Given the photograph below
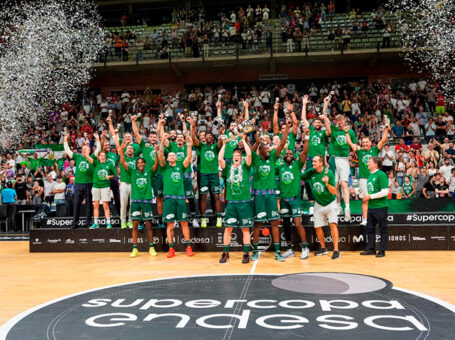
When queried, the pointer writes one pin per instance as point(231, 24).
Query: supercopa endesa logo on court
point(307, 305)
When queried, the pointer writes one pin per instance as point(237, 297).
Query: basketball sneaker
point(335, 255)
point(224, 257)
point(108, 226)
point(171, 253)
point(189, 251)
point(124, 226)
point(289, 253)
point(246, 258)
point(305, 253)
point(219, 222)
point(279, 257)
point(254, 255)
point(203, 222)
point(152, 251)
point(94, 226)
point(195, 223)
point(363, 223)
point(141, 226)
point(322, 251)
point(134, 253)
point(130, 224)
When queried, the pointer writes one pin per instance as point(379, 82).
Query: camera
point(218, 122)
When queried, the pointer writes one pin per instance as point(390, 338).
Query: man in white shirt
point(49, 189)
point(59, 192)
point(446, 170)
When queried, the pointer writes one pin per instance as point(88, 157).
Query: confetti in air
point(427, 29)
point(47, 48)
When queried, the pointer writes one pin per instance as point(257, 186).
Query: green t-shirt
point(264, 171)
point(34, 163)
point(209, 158)
point(141, 184)
point(319, 189)
point(290, 179)
point(173, 180)
point(84, 170)
point(136, 147)
point(318, 141)
point(112, 158)
point(407, 188)
point(364, 156)
point(180, 153)
point(124, 175)
point(290, 142)
point(375, 183)
point(338, 143)
point(237, 182)
point(230, 146)
point(148, 153)
point(100, 172)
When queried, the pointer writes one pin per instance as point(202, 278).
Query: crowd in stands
point(251, 29)
point(419, 157)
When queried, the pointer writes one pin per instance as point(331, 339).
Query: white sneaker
point(311, 211)
point(195, 223)
point(289, 253)
point(347, 215)
point(363, 223)
point(305, 253)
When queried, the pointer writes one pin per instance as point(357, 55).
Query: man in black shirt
point(21, 190)
point(441, 128)
point(429, 187)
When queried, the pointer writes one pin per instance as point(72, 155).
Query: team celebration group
point(262, 175)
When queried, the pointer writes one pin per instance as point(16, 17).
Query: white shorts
point(342, 169)
point(101, 194)
point(363, 187)
point(325, 215)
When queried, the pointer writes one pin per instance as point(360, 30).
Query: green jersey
point(112, 158)
point(173, 180)
point(136, 147)
point(338, 143)
point(209, 158)
point(290, 141)
point(318, 141)
point(34, 163)
point(101, 171)
point(290, 179)
point(407, 188)
point(319, 189)
point(148, 153)
point(237, 182)
point(375, 183)
point(84, 170)
point(264, 171)
point(180, 153)
point(364, 156)
point(124, 175)
point(141, 184)
point(230, 146)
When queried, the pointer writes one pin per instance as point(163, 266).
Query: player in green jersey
point(112, 157)
point(264, 188)
point(291, 204)
point(339, 162)
point(239, 212)
point(83, 180)
point(364, 154)
point(209, 180)
point(322, 183)
point(378, 190)
point(174, 207)
point(148, 152)
point(141, 196)
point(408, 187)
point(101, 192)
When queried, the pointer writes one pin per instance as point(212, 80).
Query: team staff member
point(378, 190)
point(9, 197)
point(141, 197)
point(239, 212)
point(174, 207)
point(290, 191)
point(322, 183)
point(364, 154)
point(339, 150)
point(103, 172)
point(264, 188)
point(84, 179)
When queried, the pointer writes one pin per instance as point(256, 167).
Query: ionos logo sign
point(308, 305)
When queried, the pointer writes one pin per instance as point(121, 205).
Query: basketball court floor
point(406, 295)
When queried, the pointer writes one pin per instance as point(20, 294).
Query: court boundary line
point(8, 325)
